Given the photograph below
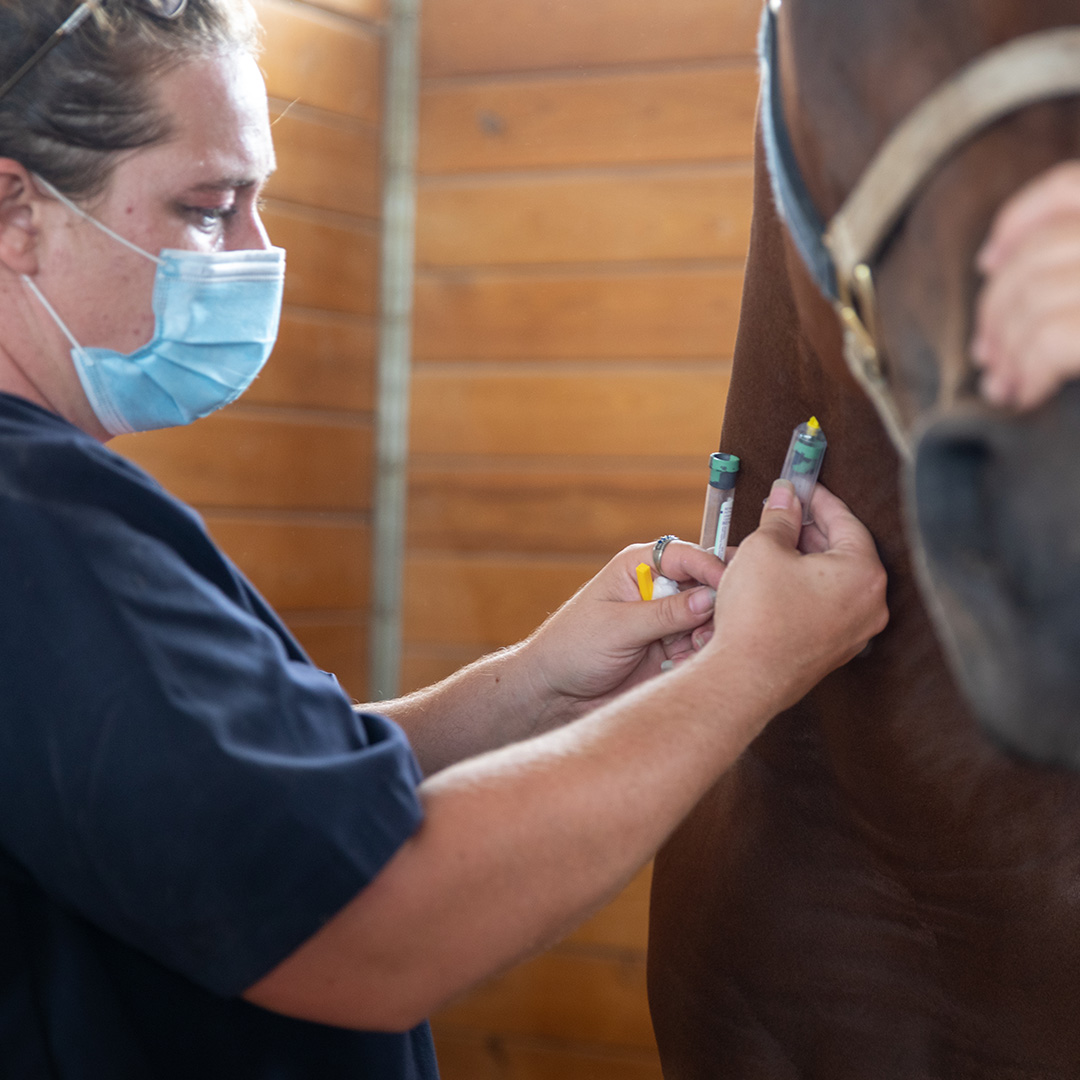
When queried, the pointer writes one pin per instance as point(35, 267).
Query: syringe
point(719, 501)
point(803, 462)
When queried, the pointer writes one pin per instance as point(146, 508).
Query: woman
point(210, 863)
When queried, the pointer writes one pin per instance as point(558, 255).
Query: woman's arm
point(601, 642)
point(521, 844)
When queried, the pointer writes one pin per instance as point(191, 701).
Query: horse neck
point(788, 366)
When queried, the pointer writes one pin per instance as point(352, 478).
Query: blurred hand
point(1027, 334)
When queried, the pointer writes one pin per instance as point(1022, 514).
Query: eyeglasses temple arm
point(68, 26)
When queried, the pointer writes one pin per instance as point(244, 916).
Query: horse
point(887, 883)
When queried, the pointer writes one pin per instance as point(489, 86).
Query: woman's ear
point(18, 231)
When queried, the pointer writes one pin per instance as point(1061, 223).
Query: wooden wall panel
point(333, 265)
point(607, 315)
point(565, 994)
point(479, 36)
point(456, 599)
point(425, 664)
point(519, 1027)
point(284, 477)
point(700, 212)
point(480, 1056)
point(348, 179)
point(249, 459)
point(276, 553)
point(323, 360)
point(584, 202)
point(336, 645)
point(564, 507)
point(614, 413)
point(623, 923)
point(702, 115)
point(321, 60)
point(372, 10)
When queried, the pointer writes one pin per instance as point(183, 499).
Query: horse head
point(874, 889)
point(906, 153)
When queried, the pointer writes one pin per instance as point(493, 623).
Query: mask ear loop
point(32, 286)
point(76, 209)
point(113, 422)
point(117, 425)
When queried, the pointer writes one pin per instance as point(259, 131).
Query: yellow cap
point(644, 581)
point(813, 424)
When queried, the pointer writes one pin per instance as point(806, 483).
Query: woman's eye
point(209, 217)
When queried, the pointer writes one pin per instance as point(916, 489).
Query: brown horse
point(878, 889)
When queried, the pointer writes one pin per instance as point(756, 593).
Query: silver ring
point(658, 550)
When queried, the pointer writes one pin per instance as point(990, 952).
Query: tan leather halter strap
point(1033, 68)
point(1026, 70)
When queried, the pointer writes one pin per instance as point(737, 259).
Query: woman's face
point(197, 191)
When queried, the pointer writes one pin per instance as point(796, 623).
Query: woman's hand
point(1027, 336)
point(797, 601)
point(606, 639)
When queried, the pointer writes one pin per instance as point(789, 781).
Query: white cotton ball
point(663, 586)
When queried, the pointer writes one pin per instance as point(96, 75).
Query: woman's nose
point(250, 233)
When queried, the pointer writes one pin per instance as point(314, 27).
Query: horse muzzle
point(994, 508)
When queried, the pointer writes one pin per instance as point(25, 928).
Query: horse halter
point(839, 256)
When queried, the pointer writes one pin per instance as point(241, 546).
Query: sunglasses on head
point(163, 9)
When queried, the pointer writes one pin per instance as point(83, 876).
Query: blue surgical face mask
point(216, 319)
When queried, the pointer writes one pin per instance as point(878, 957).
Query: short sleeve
point(170, 767)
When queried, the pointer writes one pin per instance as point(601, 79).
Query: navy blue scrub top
point(184, 797)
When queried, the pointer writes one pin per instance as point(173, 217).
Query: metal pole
point(395, 342)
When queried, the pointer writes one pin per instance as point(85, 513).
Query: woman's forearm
point(517, 847)
point(491, 703)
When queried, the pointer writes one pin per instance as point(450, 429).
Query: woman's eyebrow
point(230, 183)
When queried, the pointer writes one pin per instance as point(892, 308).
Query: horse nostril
point(954, 494)
point(997, 545)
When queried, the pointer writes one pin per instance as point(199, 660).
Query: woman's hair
point(91, 97)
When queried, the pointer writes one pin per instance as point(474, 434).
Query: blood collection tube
point(803, 462)
point(719, 501)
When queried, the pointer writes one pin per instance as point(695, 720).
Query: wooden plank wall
point(583, 217)
point(284, 476)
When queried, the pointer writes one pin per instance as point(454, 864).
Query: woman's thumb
point(781, 517)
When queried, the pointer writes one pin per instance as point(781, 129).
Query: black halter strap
point(789, 189)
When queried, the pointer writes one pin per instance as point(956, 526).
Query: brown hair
point(90, 98)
